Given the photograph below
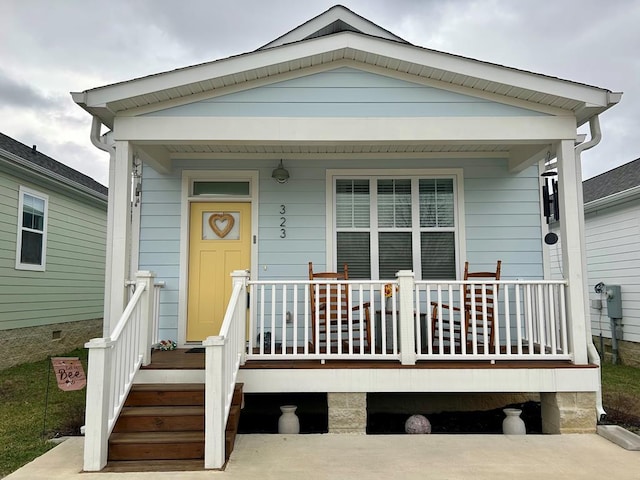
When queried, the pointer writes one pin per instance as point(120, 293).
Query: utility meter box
point(614, 301)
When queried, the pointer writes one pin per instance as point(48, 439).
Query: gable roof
point(29, 157)
point(614, 181)
point(335, 20)
point(339, 35)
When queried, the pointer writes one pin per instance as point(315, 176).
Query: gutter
point(592, 352)
point(613, 199)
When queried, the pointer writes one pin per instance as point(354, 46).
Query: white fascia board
point(338, 44)
point(612, 200)
point(328, 130)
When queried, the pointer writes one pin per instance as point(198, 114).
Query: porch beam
point(573, 248)
point(377, 130)
point(120, 231)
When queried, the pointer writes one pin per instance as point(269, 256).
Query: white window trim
point(456, 173)
point(29, 266)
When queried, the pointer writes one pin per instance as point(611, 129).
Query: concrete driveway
point(310, 457)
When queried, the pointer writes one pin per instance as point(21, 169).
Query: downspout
point(105, 146)
point(592, 352)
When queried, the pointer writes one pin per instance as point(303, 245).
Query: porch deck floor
point(180, 359)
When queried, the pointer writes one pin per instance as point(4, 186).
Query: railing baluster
point(507, 321)
point(518, 318)
point(283, 320)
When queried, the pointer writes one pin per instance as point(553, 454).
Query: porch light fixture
point(280, 174)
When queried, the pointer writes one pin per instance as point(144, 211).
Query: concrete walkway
point(310, 457)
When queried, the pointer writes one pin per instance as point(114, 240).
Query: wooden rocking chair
point(475, 306)
point(332, 322)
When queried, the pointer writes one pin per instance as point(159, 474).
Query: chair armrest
point(444, 305)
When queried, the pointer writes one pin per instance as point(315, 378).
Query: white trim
point(327, 67)
point(456, 173)
point(376, 130)
point(344, 45)
point(611, 200)
point(252, 176)
point(45, 198)
point(426, 380)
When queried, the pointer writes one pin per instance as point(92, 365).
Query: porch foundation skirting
point(347, 412)
point(568, 412)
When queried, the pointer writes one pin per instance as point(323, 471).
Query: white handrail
point(224, 354)
point(112, 365)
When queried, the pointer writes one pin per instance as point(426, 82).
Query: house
point(340, 143)
point(52, 251)
point(612, 204)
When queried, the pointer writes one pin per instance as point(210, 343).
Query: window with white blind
point(385, 224)
point(32, 230)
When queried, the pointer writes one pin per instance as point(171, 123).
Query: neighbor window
point(32, 230)
point(384, 224)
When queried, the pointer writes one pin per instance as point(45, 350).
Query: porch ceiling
point(331, 149)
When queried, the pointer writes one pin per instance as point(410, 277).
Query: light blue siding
point(502, 219)
point(345, 92)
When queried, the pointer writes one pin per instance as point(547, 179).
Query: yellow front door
point(219, 243)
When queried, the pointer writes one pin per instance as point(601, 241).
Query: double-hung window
point(32, 230)
point(384, 224)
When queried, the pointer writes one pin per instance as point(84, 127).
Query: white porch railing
point(530, 321)
point(223, 356)
point(112, 364)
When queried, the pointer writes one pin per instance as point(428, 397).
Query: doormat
point(195, 350)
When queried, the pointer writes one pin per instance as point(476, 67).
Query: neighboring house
point(52, 255)
point(612, 233)
point(340, 142)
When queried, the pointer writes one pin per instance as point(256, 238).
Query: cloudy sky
point(49, 48)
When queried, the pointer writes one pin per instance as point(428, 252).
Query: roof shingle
point(617, 180)
point(27, 153)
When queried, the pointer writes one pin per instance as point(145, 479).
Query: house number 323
point(283, 221)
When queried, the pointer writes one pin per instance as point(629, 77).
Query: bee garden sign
point(69, 373)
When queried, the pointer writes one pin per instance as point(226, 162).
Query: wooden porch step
point(156, 446)
point(166, 394)
point(161, 418)
point(165, 423)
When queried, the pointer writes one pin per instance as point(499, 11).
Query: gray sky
point(52, 47)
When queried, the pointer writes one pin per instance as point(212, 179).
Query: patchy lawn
point(24, 433)
point(621, 396)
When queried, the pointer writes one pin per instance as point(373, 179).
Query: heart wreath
point(221, 223)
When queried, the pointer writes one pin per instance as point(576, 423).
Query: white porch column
point(573, 251)
point(120, 231)
point(407, 318)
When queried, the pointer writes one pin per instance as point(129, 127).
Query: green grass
point(621, 395)
point(23, 393)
